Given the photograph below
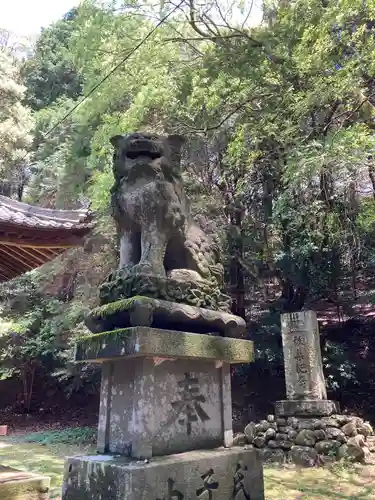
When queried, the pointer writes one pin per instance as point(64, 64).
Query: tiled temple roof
point(31, 236)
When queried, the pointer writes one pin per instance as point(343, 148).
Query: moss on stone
point(99, 336)
point(116, 307)
point(143, 341)
point(90, 345)
point(122, 285)
point(146, 311)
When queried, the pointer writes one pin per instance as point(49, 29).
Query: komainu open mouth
point(142, 147)
point(149, 154)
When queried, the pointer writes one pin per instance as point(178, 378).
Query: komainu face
point(146, 155)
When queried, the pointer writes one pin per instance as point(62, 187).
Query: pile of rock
point(309, 441)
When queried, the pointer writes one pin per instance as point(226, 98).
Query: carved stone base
point(145, 311)
point(306, 408)
point(123, 284)
point(163, 392)
point(221, 474)
point(150, 409)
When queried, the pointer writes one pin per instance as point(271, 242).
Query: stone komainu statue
point(158, 237)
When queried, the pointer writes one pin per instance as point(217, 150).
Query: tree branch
point(216, 38)
point(351, 112)
point(193, 22)
point(229, 115)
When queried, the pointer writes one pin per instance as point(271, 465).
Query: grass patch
point(47, 460)
point(75, 436)
point(339, 481)
point(45, 452)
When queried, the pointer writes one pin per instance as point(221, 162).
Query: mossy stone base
point(123, 284)
point(218, 474)
point(146, 311)
point(154, 342)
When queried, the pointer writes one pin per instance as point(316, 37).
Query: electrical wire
point(113, 70)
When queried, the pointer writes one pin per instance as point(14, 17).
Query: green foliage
point(51, 72)
point(78, 436)
point(366, 215)
point(61, 166)
point(33, 335)
point(282, 117)
point(15, 122)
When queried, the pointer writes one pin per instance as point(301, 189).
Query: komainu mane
point(158, 237)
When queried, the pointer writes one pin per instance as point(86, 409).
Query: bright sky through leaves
point(25, 17)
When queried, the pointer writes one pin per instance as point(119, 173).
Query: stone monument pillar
point(162, 336)
point(305, 385)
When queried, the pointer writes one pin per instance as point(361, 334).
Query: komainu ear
point(176, 141)
point(115, 140)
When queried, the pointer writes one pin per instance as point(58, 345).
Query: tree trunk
point(371, 173)
point(236, 270)
point(28, 377)
point(31, 388)
point(24, 386)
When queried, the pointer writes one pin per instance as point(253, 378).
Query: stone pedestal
point(163, 391)
point(307, 428)
point(304, 378)
point(216, 474)
point(306, 408)
point(165, 398)
point(149, 409)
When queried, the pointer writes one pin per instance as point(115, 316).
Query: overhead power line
point(114, 69)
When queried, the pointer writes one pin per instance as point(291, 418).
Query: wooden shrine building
point(31, 236)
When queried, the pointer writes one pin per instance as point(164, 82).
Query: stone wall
point(309, 441)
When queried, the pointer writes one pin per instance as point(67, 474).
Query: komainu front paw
point(148, 268)
point(125, 270)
